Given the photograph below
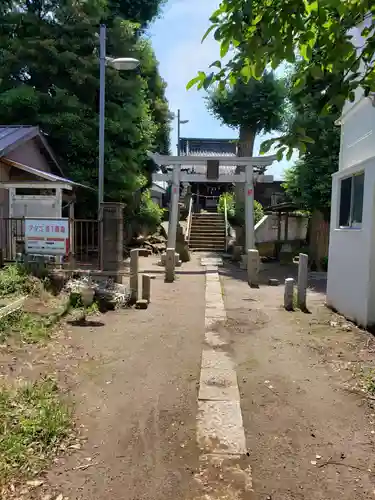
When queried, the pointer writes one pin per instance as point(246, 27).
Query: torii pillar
point(177, 177)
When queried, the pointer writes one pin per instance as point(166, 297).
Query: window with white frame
point(351, 200)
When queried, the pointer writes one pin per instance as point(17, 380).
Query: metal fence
point(84, 240)
point(12, 237)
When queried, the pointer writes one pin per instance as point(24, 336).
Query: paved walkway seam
point(220, 432)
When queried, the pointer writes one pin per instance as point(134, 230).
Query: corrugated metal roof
point(44, 175)
point(10, 135)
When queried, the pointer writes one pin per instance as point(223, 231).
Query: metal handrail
point(226, 223)
point(189, 220)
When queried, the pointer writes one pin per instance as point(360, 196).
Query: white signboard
point(47, 236)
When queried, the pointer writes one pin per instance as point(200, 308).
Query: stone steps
point(207, 232)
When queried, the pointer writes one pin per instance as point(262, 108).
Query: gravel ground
point(136, 397)
point(297, 412)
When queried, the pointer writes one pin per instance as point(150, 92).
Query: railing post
point(226, 222)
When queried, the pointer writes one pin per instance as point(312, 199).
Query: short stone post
point(170, 265)
point(302, 280)
point(253, 268)
point(134, 256)
point(146, 287)
point(289, 294)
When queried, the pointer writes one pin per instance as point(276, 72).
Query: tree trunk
point(245, 148)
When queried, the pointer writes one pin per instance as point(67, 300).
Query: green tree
point(138, 11)
point(259, 34)
point(49, 76)
point(253, 106)
point(308, 182)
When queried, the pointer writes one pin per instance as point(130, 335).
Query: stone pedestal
point(163, 259)
point(170, 265)
point(111, 239)
point(237, 253)
point(134, 282)
point(289, 294)
point(253, 267)
point(182, 248)
point(286, 254)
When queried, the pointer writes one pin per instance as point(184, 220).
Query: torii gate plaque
point(177, 177)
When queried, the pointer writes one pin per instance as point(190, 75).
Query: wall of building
point(358, 118)
point(358, 134)
point(267, 228)
point(30, 154)
point(266, 192)
point(351, 279)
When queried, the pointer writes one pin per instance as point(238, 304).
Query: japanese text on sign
point(47, 236)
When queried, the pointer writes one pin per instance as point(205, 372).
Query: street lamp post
point(179, 123)
point(175, 192)
point(121, 64)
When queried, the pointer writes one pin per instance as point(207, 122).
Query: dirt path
point(136, 398)
point(297, 415)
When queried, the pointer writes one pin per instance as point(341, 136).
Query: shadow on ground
point(275, 270)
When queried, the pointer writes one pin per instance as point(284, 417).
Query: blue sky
point(176, 39)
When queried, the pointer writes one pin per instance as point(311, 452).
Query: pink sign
point(47, 236)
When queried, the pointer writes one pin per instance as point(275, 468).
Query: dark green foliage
point(139, 11)
point(256, 104)
point(308, 182)
point(49, 76)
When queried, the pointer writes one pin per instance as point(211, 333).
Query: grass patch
point(15, 279)
point(369, 382)
point(28, 327)
point(33, 424)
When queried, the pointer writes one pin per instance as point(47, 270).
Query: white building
point(351, 268)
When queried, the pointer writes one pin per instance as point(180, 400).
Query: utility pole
point(179, 123)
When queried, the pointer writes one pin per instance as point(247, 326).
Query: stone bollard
point(134, 258)
point(289, 294)
point(253, 268)
point(303, 269)
point(237, 252)
point(146, 287)
point(170, 262)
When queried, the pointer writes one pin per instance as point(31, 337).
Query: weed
point(15, 279)
point(28, 327)
point(369, 382)
point(33, 423)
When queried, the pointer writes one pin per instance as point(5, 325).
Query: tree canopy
point(254, 106)
point(49, 76)
point(308, 182)
point(138, 11)
point(258, 34)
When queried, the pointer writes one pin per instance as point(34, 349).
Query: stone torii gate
point(212, 175)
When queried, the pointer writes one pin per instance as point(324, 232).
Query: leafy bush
point(14, 279)
point(236, 210)
point(150, 215)
point(231, 205)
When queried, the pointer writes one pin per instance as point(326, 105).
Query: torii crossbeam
point(247, 177)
